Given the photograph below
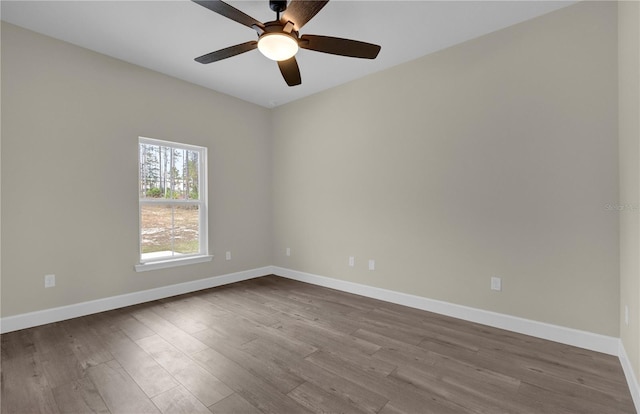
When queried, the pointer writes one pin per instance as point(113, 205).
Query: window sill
point(164, 264)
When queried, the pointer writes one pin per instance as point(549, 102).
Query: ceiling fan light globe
point(278, 46)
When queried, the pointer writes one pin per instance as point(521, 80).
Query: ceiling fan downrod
point(278, 6)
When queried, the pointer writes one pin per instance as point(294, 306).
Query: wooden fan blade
point(290, 71)
point(229, 12)
point(339, 46)
point(227, 52)
point(299, 12)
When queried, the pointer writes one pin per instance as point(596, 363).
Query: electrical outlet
point(496, 284)
point(352, 261)
point(228, 256)
point(288, 251)
point(49, 281)
point(372, 264)
point(626, 315)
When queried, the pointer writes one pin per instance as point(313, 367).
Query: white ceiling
point(166, 36)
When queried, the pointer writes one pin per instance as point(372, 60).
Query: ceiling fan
point(279, 40)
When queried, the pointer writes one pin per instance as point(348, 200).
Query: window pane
point(167, 172)
point(186, 225)
point(156, 231)
point(169, 231)
point(150, 172)
point(153, 171)
point(192, 175)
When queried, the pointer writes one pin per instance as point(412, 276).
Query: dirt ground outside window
point(170, 228)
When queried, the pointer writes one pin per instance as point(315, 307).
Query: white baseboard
point(632, 380)
point(587, 340)
point(28, 320)
point(569, 336)
point(574, 337)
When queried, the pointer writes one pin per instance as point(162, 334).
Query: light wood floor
point(278, 346)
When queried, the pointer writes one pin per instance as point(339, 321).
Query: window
point(173, 204)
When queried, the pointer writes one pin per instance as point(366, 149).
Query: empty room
point(340, 206)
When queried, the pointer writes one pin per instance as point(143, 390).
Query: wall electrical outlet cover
point(49, 281)
point(626, 315)
point(496, 284)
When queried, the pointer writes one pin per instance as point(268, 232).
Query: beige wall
point(496, 157)
point(629, 130)
point(0, 177)
point(71, 121)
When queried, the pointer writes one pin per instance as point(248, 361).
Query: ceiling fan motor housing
point(277, 27)
point(278, 6)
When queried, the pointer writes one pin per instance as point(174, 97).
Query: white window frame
point(203, 255)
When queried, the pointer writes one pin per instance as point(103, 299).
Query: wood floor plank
point(80, 397)
point(320, 402)
point(356, 395)
point(280, 339)
point(430, 331)
point(179, 401)
point(17, 344)
point(551, 364)
point(234, 404)
point(391, 409)
point(133, 328)
point(168, 309)
point(394, 351)
point(392, 389)
point(470, 393)
point(317, 316)
point(200, 309)
point(278, 285)
point(380, 322)
point(277, 375)
point(197, 380)
point(335, 316)
point(119, 391)
point(232, 329)
point(61, 365)
point(535, 370)
point(551, 401)
point(512, 366)
point(565, 389)
point(54, 346)
point(323, 337)
point(152, 378)
point(253, 388)
point(24, 386)
point(176, 336)
point(239, 305)
point(88, 347)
